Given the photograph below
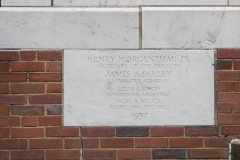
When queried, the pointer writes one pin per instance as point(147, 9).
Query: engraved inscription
point(138, 87)
point(139, 82)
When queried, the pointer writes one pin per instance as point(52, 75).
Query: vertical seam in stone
point(140, 27)
point(168, 144)
point(62, 74)
point(184, 131)
point(52, 3)
point(45, 88)
point(215, 90)
point(9, 88)
point(28, 143)
point(81, 149)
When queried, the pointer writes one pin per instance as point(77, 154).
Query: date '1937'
point(139, 116)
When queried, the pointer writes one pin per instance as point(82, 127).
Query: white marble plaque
point(72, 28)
point(190, 27)
point(138, 87)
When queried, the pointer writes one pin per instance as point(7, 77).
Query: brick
point(228, 97)
point(216, 142)
point(201, 131)
point(132, 131)
point(168, 153)
point(77, 143)
point(4, 110)
point(228, 53)
point(13, 144)
point(224, 86)
point(28, 66)
point(186, 142)
point(224, 107)
point(204, 153)
point(167, 131)
point(50, 121)
point(9, 121)
point(9, 55)
point(236, 65)
point(4, 132)
point(117, 143)
point(224, 65)
point(230, 130)
point(45, 77)
point(225, 153)
point(54, 110)
point(28, 55)
point(27, 88)
point(29, 121)
point(27, 110)
point(4, 66)
point(4, 155)
point(63, 154)
point(45, 143)
point(13, 99)
point(49, 55)
point(90, 143)
point(13, 77)
point(237, 108)
point(228, 75)
point(54, 66)
point(27, 132)
point(237, 86)
point(228, 119)
point(99, 154)
point(27, 154)
point(62, 132)
point(134, 154)
point(54, 88)
point(73, 143)
point(45, 99)
point(4, 88)
point(151, 142)
point(98, 131)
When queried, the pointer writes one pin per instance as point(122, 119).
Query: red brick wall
point(31, 117)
